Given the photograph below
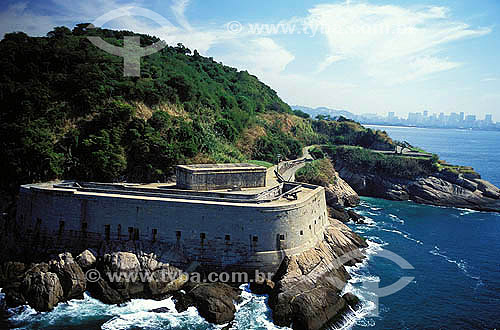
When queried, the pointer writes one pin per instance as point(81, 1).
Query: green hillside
point(67, 112)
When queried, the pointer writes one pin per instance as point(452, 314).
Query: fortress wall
point(215, 234)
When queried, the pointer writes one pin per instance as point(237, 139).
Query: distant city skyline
point(478, 115)
point(441, 119)
point(424, 118)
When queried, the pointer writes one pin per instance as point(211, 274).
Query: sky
point(362, 56)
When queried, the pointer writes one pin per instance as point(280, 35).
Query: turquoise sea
point(455, 254)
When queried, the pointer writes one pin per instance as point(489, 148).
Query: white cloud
point(389, 41)
point(260, 56)
point(489, 79)
point(179, 8)
point(329, 61)
point(18, 17)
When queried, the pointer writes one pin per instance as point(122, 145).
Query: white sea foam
point(396, 218)
point(252, 313)
point(461, 264)
point(404, 234)
point(2, 298)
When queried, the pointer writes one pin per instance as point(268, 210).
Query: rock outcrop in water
point(441, 189)
point(44, 285)
point(214, 301)
point(39, 286)
point(308, 286)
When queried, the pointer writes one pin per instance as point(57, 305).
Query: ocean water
point(455, 255)
point(455, 252)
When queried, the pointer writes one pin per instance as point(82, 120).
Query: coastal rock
point(123, 262)
point(444, 188)
point(125, 276)
point(262, 286)
point(340, 213)
point(355, 217)
point(42, 288)
point(436, 191)
point(70, 275)
point(351, 300)
point(488, 189)
point(214, 301)
point(341, 193)
point(102, 291)
point(337, 191)
point(160, 310)
point(308, 285)
point(165, 280)
point(86, 259)
point(11, 271)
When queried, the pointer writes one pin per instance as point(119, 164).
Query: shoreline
point(434, 128)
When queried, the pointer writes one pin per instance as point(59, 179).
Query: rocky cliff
point(339, 193)
point(308, 286)
point(440, 188)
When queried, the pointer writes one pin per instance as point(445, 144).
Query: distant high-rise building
point(426, 113)
point(392, 115)
point(462, 116)
point(470, 119)
point(488, 119)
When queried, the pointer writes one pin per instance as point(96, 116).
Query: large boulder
point(86, 259)
point(123, 271)
point(124, 262)
point(214, 301)
point(102, 291)
point(166, 279)
point(70, 275)
point(42, 288)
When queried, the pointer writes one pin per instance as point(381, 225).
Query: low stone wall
point(215, 234)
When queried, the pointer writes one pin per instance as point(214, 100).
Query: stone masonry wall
point(215, 234)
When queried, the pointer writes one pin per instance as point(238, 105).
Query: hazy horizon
point(361, 56)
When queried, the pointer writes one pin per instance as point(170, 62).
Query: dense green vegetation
point(366, 161)
point(456, 169)
point(67, 112)
point(319, 172)
point(347, 132)
point(316, 153)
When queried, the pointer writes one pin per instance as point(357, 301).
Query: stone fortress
point(223, 216)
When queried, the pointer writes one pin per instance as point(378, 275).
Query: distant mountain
point(324, 111)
